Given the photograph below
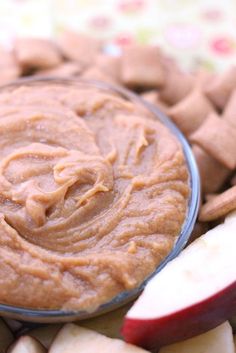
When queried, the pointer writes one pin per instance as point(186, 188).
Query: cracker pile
point(201, 104)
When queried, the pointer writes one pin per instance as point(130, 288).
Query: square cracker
point(189, 113)
point(229, 112)
point(213, 174)
point(79, 47)
point(66, 69)
point(37, 53)
point(218, 138)
point(94, 73)
point(153, 97)
point(219, 205)
point(110, 65)
point(177, 85)
point(220, 88)
point(142, 66)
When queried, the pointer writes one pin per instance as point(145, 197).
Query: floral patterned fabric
point(194, 31)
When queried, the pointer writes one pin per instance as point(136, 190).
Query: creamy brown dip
point(93, 194)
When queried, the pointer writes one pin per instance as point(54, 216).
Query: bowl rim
point(60, 315)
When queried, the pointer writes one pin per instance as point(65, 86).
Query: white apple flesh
point(218, 340)
point(194, 293)
point(72, 338)
point(108, 324)
point(26, 344)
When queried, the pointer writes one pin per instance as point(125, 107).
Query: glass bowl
point(49, 316)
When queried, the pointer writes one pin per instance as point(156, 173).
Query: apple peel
point(218, 340)
point(194, 293)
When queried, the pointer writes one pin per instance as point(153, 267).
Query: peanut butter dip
point(93, 194)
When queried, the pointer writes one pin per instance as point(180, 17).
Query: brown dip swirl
point(93, 194)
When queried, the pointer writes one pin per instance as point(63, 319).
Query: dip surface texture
point(93, 194)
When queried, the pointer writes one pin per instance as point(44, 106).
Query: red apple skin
point(201, 317)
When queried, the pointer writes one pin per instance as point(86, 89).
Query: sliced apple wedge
point(218, 340)
point(27, 344)
point(192, 294)
point(72, 338)
point(6, 337)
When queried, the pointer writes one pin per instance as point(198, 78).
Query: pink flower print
point(183, 36)
point(124, 39)
point(223, 45)
point(131, 5)
point(213, 14)
point(100, 22)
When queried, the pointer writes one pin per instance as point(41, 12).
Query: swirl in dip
point(93, 194)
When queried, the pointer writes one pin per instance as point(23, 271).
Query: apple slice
point(26, 344)
point(72, 338)
point(218, 340)
point(6, 337)
point(235, 342)
point(108, 324)
point(193, 293)
point(45, 334)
